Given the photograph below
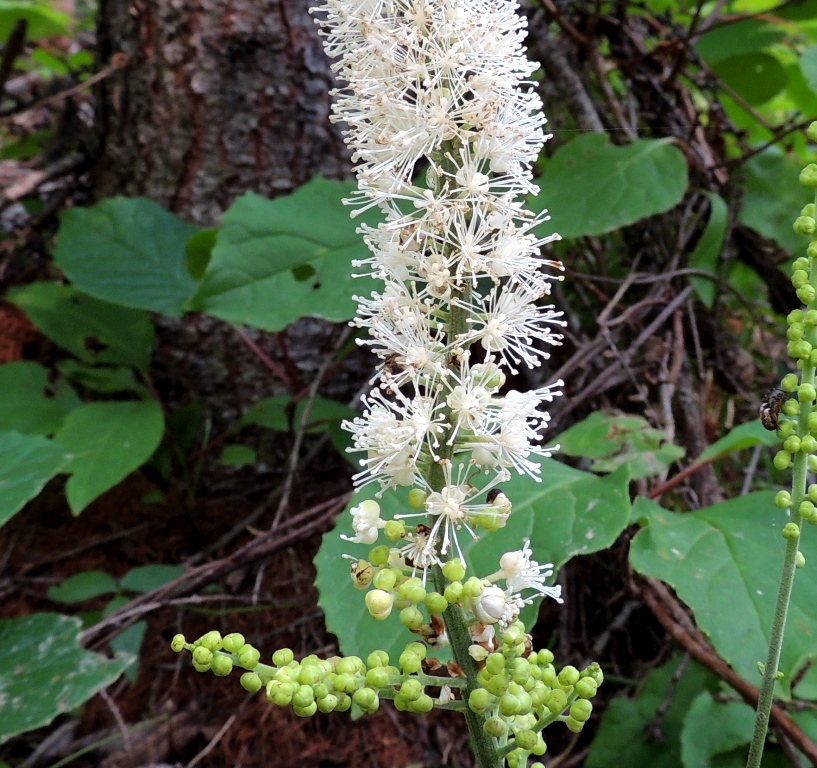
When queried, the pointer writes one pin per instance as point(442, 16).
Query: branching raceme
point(438, 89)
point(797, 428)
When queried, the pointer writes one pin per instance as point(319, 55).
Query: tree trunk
point(218, 97)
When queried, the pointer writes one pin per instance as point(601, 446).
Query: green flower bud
point(379, 556)
point(513, 636)
point(495, 726)
point(491, 523)
point(344, 703)
point(410, 662)
point(792, 444)
point(574, 725)
point(791, 531)
point(424, 704)
point(495, 663)
point(353, 664)
point(806, 294)
point(377, 659)
point(811, 318)
point(782, 500)
point(798, 330)
point(806, 393)
point(395, 530)
point(556, 701)
point(379, 603)
point(782, 460)
point(569, 676)
point(306, 711)
point(411, 617)
point(473, 587)
point(377, 678)
point(321, 690)
point(435, 603)
point(808, 176)
point(798, 279)
point(520, 670)
point(804, 225)
point(580, 710)
point(808, 512)
point(795, 316)
point(454, 570)
point(453, 592)
point(221, 665)
point(345, 683)
point(803, 263)
point(808, 444)
point(811, 131)
point(508, 704)
point(799, 559)
point(282, 657)
point(367, 700)
point(498, 684)
point(539, 750)
point(327, 704)
point(211, 641)
point(586, 688)
point(811, 463)
point(310, 675)
point(417, 498)
point(385, 579)
point(526, 740)
point(251, 682)
point(303, 697)
point(202, 656)
point(811, 251)
point(178, 643)
point(479, 700)
point(411, 690)
point(545, 656)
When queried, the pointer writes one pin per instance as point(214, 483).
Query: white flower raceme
point(444, 126)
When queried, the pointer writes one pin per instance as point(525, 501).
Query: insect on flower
point(770, 407)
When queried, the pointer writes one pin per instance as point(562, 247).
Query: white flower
point(490, 606)
point(521, 572)
point(366, 522)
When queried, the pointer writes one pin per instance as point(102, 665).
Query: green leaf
point(624, 737)
point(128, 251)
point(44, 672)
point(237, 456)
point(93, 330)
point(146, 578)
point(27, 463)
point(808, 66)
point(591, 187)
point(102, 378)
point(249, 278)
point(569, 513)
point(738, 439)
point(709, 247)
point(129, 645)
point(29, 403)
point(757, 77)
point(198, 250)
point(613, 440)
point(42, 20)
point(713, 727)
point(773, 196)
point(724, 563)
point(83, 586)
point(746, 36)
point(109, 441)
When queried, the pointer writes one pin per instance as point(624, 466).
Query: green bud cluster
point(520, 692)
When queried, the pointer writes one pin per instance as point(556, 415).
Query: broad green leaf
point(43, 21)
point(624, 738)
point(237, 456)
point(709, 247)
point(613, 440)
point(29, 403)
point(773, 196)
point(741, 37)
point(44, 672)
point(198, 250)
point(569, 513)
point(590, 186)
point(724, 562)
point(27, 463)
point(109, 441)
point(83, 586)
point(713, 727)
point(757, 77)
point(102, 378)
point(250, 279)
point(741, 437)
point(146, 578)
point(808, 66)
point(93, 330)
point(128, 251)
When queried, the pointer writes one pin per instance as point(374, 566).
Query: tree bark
point(218, 97)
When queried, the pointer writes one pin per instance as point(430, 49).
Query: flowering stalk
point(797, 429)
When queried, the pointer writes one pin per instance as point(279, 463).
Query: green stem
point(799, 480)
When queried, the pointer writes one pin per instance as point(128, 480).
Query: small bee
point(770, 408)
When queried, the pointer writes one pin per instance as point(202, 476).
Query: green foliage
point(237, 456)
point(569, 513)
point(128, 251)
point(94, 331)
point(615, 440)
point(27, 463)
point(43, 20)
point(29, 403)
point(714, 727)
point(277, 260)
point(724, 563)
point(590, 186)
point(707, 252)
point(108, 442)
point(743, 436)
point(757, 77)
point(44, 672)
point(83, 586)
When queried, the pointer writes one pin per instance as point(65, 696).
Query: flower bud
point(495, 726)
point(806, 294)
point(556, 701)
point(306, 711)
point(799, 559)
point(361, 573)
point(395, 530)
point(367, 700)
point(411, 690)
point(796, 331)
point(808, 176)
point(385, 579)
point(791, 531)
point(798, 279)
point(473, 587)
point(795, 316)
point(211, 641)
point(498, 684)
point(413, 590)
point(453, 592)
point(477, 652)
point(782, 500)
point(379, 603)
point(808, 444)
point(379, 555)
point(490, 607)
point(233, 642)
point(435, 603)
point(417, 498)
point(454, 570)
point(586, 688)
point(526, 740)
point(251, 682)
point(411, 617)
point(378, 677)
point(327, 704)
point(804, 225)
point(802, 262)
point(806, 393)
point(178, 643)
point(782, 460)
point(221, 665)
point(202, 656)
point(569, 676)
